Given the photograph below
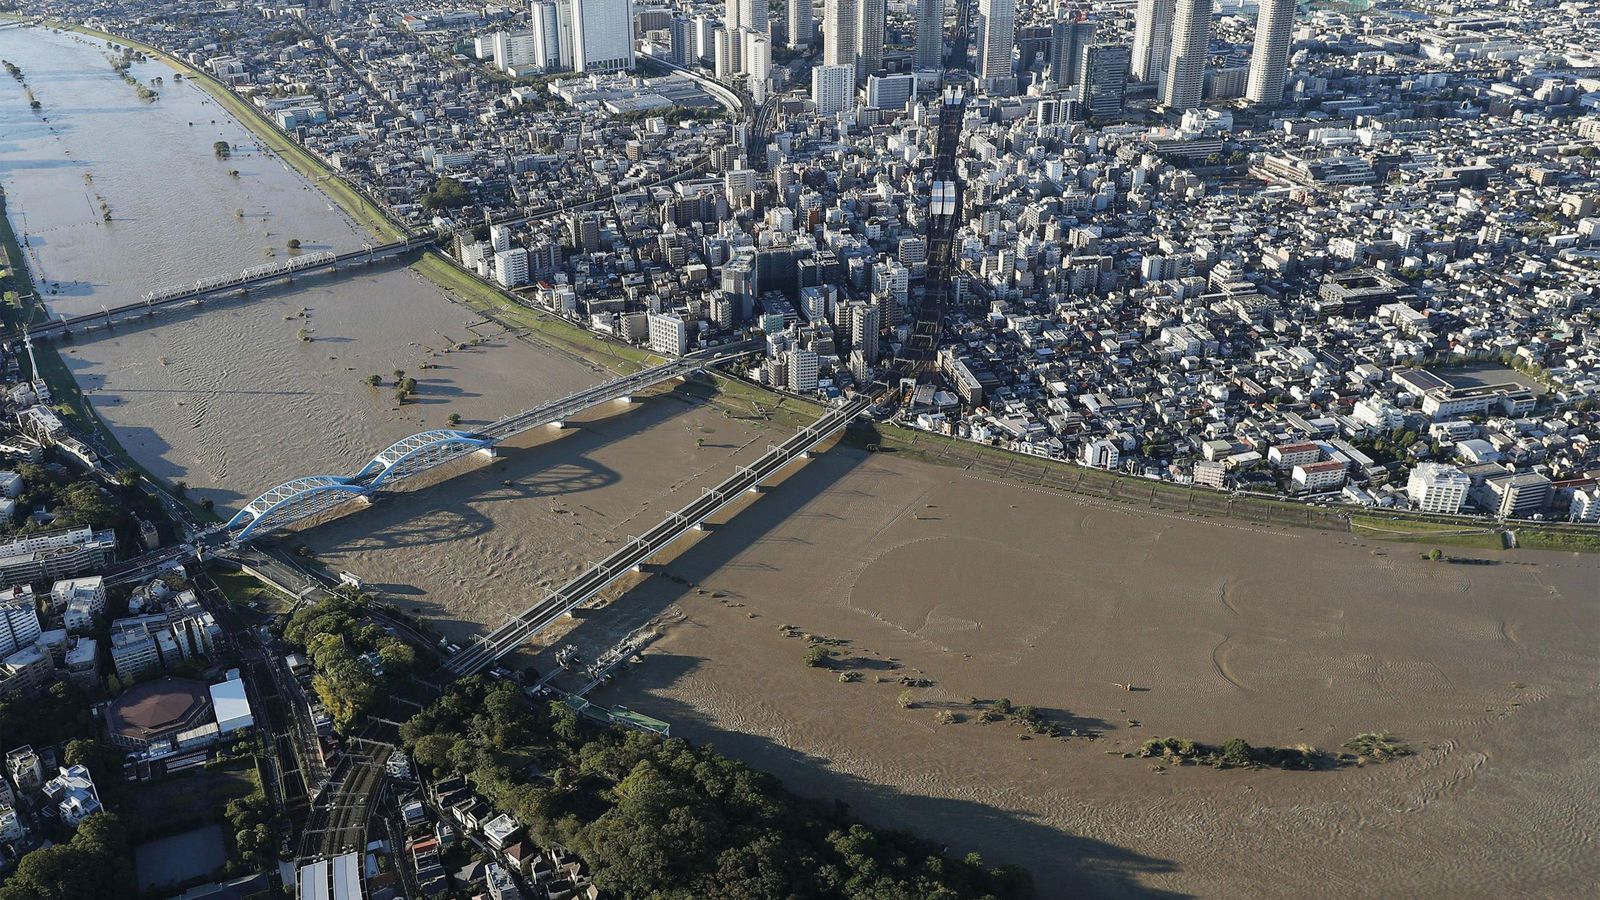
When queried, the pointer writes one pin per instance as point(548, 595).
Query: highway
point(638, 550)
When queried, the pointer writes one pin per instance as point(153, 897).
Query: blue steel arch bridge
point(311, 496)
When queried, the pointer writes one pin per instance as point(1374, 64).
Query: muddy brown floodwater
point(990, 589)
point(985, 589)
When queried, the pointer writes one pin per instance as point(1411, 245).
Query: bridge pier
point(558, 424)
point(487, 452)
point(625, 399)
point(755, 489)
point(701, 527)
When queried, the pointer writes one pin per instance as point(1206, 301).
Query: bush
point(1235, 752)
point(1377, 746)
point(818, 657)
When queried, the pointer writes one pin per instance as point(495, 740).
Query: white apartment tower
point(997, 38)
point(802, 24)
point(871, 35)
point(1152, 38)
point(668, 334)
point(839, 33)
point(1269, 60)
point(832, 87)
point(1191, 46)
point(1438, 488)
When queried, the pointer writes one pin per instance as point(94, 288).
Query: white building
point(832, 88)
point(1318, 476)
point(11, 829)
point(1269, 60)
point(552, 36)
point(1152, 38)
point(804, 368)
point(602, 35)
point(73, 792)
point(997, 38)
point(83, 600)
point(1585, 506)
point(231, 706)
point(515, 50)
point(669, 334)
point(19, 622)
point(1191, 47)
point(511, 267)
point(1438, 488)
point(1101, 454)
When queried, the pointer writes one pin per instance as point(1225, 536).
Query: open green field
point(242, 590)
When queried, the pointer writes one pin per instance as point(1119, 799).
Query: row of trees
point(336, 637)
point(662, 818)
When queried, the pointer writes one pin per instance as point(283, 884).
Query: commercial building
point(802, 24)
point(1186, 64)
point(231, 705)
point(890, 91)
point(1269, 59)
point(164, 714)
point(839, 22)
point(1438, 488)
point(1102, 81)
point(871, 33)
point(1069, 39)
point(929, 54)
point(602, 35)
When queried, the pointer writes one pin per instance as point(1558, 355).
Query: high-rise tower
point(997, 37)
point(930, 34)
point(1191, 46)
point(1269, 61)
point(1152, 38)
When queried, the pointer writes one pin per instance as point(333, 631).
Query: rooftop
point(156, 708)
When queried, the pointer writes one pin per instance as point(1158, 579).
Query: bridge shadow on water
point(1063, 864)
point(459, 502)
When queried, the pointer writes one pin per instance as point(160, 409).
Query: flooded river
point(1122, 624)
point(239, 395)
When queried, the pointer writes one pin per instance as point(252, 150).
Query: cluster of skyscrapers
point(1172, 43)
point(575, 35)
point(1170, 51)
